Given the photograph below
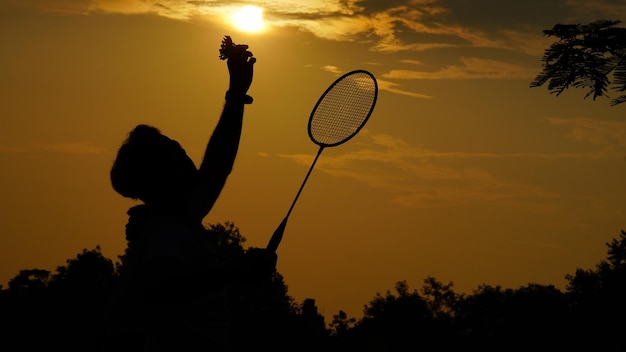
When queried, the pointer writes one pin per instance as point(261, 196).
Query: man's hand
point(240, 68)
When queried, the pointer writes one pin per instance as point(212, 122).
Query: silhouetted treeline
point(589, 316)
point(64, 310)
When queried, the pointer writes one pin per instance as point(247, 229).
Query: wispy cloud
point(420, 177)
point(61, 148)
point(609, 135)
point(12, 149)
point(416, 177)
point(332, 69)
point(396, 89)
point(469, 68)
point(613, 10)
point(382, 84)
point(405, 25)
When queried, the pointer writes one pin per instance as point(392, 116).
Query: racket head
point(343, 109)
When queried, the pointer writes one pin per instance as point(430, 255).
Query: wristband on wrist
point(238, 98)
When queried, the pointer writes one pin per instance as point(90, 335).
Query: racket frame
point(278, 233)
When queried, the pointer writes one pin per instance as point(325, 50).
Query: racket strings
point(343, 110)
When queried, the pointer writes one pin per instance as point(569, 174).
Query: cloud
point(11, 149)
point(407, 25)
point(609, 135)
point(394, 88)
point(416, 176)
point(419, 177)
point(332, 69)
point(382, 84)
point(469, 68)
point(61, 148)
point(188, 10)
point(180, 10)
point(72, 148)
point(612, 10)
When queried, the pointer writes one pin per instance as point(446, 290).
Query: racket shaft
point(277, 236)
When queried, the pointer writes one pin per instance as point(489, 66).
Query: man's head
point(152, 167)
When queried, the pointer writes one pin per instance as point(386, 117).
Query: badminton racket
point(339, 114)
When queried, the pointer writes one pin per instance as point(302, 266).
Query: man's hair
point(137, 159)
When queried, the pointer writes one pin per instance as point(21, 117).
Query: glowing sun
point(249, 19)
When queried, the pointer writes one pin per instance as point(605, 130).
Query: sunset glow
point(249, 19)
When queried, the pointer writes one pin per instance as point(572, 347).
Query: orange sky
point(463, 172)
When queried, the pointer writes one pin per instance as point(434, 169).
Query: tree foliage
point(89, 271)
point(30, 280)
point(588, 56)
point(597, 295)
point(341, 324)
point(403, 319)
point(63, 310)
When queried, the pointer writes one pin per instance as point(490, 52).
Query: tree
point(29, 280)
point(590, 56)
point(341, 324)
point(89, 271)
point(64, 310)
point(263, 314)
point(480, 315)
point(597, 296)
point(441, 299)
point(404, 320)
point(609, 275)
point(617, 252)
point(61, 310)
point(532, 317)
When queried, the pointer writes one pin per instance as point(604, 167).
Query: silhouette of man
point(174, 285)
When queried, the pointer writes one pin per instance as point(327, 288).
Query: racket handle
point(277, 236)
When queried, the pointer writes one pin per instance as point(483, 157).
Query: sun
point(249, 19)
